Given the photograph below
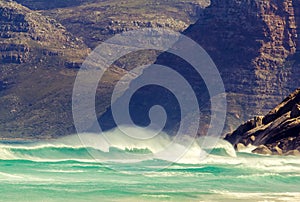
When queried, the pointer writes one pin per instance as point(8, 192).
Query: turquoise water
point(64, 170)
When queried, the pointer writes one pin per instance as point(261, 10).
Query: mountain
point(278, 132)
point(40, 55)
point(26, 36)
point(97, 20)
point(36, 60)
point(255, 45)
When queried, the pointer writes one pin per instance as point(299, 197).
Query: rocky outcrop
point(254, 45)
point(97, 20)
point(277, 133)
point(14, 53)
point(24, 34)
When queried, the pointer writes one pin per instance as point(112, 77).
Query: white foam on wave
point(271, 164)
point(210, 143)
point(5, 154)
point(60, 171)
point(10, 176)
point(181, 150)
point(162, 146)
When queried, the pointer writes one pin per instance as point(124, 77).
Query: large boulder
point(279, 132)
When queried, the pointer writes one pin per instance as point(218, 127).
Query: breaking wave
point(115, 146)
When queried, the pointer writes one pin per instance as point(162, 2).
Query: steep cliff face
point(253, 44)
point(297, 19)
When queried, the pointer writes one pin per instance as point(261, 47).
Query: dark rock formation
point(278, 133)
point(254, 45)
point(295, 111)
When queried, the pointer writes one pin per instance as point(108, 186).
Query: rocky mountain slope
point(276, 133)
point(40, 57)
point(255, 45)
point(35, 82)
point(97, 20)
point(28, 36)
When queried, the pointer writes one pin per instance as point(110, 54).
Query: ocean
point(65, 169)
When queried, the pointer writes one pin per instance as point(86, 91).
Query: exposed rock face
point(35, 85)
point(278, 133)
point(24, 34)
point(34, 49)
point(254, 45)
point(97, 20)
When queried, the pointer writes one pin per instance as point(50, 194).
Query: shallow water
point(64, 170)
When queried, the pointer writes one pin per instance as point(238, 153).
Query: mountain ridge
point(261, 56)
point(256, 43)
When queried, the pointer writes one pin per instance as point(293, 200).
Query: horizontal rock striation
point(254, 44)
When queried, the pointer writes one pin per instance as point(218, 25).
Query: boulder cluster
point(277, 133)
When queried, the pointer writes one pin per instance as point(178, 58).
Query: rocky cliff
point(97, 20)
point(276, 133)
point(35, 85)
point(40, 57)
point(254, 45)
point(27, 35)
